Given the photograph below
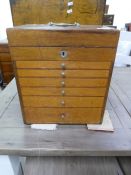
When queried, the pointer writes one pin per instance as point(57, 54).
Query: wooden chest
point(5, 62)
point(63, 73)
point(69, 11)
point(43, 11)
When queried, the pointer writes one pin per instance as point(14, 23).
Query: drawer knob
point(63, 66)
point(63, 115)
point(63, 74)
point(63, 92)
point(62, 103)
point(62, 83)
point(63, 54)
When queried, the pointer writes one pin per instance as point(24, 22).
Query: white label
point(69, 11)
point(70, 3)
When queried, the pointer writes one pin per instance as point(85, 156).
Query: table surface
point(68, 140)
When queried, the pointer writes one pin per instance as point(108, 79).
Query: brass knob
point(63, 115)
point(63, 92)
point(63, 74)
point(63, 65)
point(62, 103)
point(62, 83)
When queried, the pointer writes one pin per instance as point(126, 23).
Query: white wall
point(5, 17)
point(122, 11)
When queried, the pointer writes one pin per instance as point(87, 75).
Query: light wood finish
point(63, 91)
point(53, 53)
point(70, 36)
point(60, 115)
point(32, 101)
point(41, 12)
point(74, 57)
point(59, 82)
point(59, 64)
point(63, 73)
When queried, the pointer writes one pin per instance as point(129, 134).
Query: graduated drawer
point(63, 73)
point(63, 115)
point(43, 91)
point(55, 53)
point(62, 65)
point(44, 101)
point(58, 82)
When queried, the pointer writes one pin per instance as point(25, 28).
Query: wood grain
point(41, 12)
point(59, 73)
point(72, 166)
point(62, 115)
point(84, 46)
point(32, 101)
point(57, 82)
point(53, 54)
point(62, 91)
point(58, 65)
point(46, 35)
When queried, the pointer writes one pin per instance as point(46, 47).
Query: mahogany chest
point(5, 62)
point(63, 73)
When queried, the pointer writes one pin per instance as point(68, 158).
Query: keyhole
point(63, 54)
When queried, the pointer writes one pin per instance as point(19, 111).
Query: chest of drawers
point(63, 73)
point(5, 62)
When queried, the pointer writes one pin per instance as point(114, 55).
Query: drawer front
point(43, 101)
point(55, 53)
point(63, 73)
point(30, 91)
point(58, 82)
point(62, 65)
point(64, 37)
point(63, 115)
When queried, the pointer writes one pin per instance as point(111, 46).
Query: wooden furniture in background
point(43, 11)
point(63, 73)
point(5, 61)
